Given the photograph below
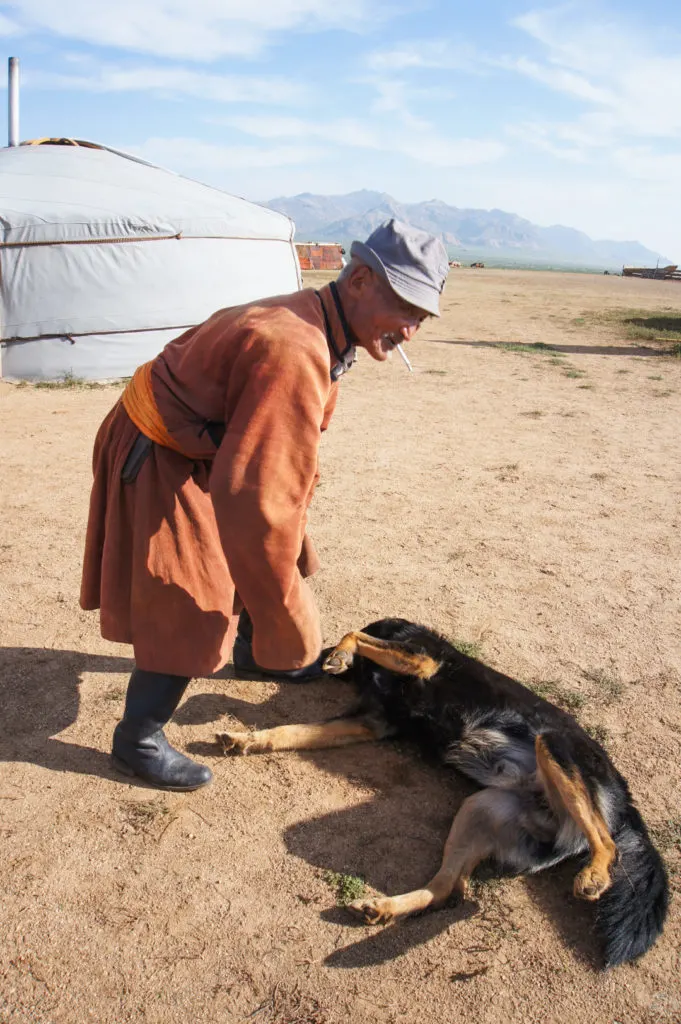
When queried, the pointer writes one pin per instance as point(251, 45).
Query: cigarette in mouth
point(405, 357)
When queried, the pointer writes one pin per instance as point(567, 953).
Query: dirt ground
point(525, 501)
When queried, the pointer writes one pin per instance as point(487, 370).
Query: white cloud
point(628, 75)
point(8, 27)
point(645, 163)
point(629, 85)
point(422, 143)
point(539, 136)
point(201, 30)
point(170, 81)
point(342, 132)
point(191, 155)
point(563, 80)
point(448, 54)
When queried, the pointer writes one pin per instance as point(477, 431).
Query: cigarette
point(405, 357)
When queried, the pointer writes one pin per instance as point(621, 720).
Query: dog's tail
point(631, 913)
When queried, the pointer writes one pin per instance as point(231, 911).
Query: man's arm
point(261, 483)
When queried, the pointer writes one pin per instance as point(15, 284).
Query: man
point(203, 473)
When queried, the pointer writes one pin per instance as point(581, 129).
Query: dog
point(548, 790)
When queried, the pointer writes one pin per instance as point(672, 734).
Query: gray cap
point(414, 263)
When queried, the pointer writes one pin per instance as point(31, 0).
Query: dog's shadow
point(393, 840)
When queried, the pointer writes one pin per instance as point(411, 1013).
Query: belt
point(140, 404)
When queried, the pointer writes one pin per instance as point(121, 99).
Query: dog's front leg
point(339, 732)
point(391, 654)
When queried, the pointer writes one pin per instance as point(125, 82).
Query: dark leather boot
point(245, 666)
point(139, 744)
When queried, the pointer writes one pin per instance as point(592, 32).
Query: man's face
point(383, 319)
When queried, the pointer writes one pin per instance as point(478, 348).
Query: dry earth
point(523, 501)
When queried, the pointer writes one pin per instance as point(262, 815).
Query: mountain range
point(355, 215)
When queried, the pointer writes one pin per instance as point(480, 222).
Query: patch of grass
point(661, 326)
point(571, 700)
point(288, 1007)
point(468, 647)
point(667, 834)
point(545, 688)
point(622, 371)
point(601, 477)
point(140, 814)
point(517, 346)
point(438, 373)
point(533, 414)
point(597, 732)
point(608, 684)
point(549, 689)
point(585, 387)
point(346, 887)
point(69, 382)
point(662, 394)
point(656, 376)
point(113, 695)
point(486, 877)
point(573, 372)
point(654, 328)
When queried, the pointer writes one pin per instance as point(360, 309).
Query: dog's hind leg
point(480, 828)
point(567, 793)
point(391, 654)
point(339, 732)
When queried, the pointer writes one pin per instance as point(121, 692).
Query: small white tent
point(104, 258)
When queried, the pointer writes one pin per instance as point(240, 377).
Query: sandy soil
point(518, 500)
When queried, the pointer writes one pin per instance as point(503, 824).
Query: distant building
point(320, 256)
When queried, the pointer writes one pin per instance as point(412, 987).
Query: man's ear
point(360, 280)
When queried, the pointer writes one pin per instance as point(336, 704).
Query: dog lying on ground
point(549, 791)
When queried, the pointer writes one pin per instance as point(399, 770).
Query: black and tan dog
point(549, 790)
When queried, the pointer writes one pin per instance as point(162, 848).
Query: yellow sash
point(140, 405)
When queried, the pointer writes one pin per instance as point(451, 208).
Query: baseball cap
point(413, 262)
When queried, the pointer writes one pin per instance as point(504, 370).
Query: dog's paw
point(591, 883)
point(237, 742)
point(338, 661)
point(375, 911)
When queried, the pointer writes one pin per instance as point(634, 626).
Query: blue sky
point(567, 113)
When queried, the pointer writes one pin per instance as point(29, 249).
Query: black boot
point(139, 744)
point(245, 666)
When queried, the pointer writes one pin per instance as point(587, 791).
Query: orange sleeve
point(261, 484)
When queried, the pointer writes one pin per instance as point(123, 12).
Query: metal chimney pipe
point(13, 102)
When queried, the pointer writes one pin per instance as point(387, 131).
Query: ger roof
point(70, 193)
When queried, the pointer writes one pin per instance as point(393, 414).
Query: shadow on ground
point(541, 349)
point(40, 697)
point(393, 839)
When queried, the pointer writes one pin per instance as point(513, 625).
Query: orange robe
point(172, 557)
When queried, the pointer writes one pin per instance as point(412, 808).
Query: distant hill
point(355, 215)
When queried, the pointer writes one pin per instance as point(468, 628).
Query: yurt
point(104, 258)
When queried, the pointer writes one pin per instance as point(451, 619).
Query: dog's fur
point(549, 791)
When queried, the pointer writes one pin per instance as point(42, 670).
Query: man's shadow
point(40, 698)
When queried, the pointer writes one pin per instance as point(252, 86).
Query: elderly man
point(203, 473)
